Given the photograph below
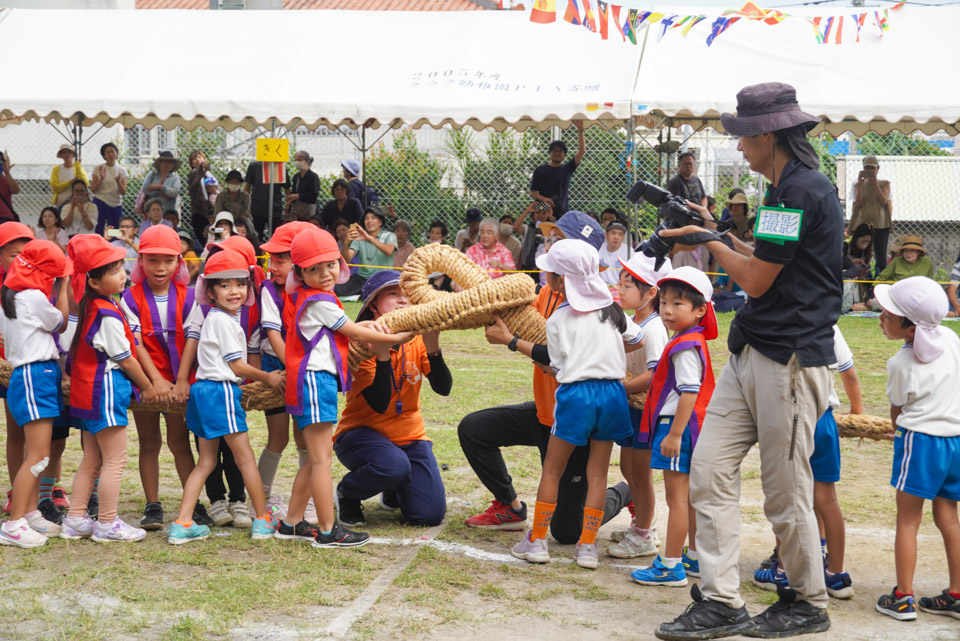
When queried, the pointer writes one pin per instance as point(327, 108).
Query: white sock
point(692, 555)
point(670, 563)
point(267, 465)
point(302, 457)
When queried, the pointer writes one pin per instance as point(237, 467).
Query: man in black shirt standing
point(551, 181)
point(778, 380)
point(684, 183)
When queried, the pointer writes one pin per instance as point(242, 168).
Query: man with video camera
point(777, 382)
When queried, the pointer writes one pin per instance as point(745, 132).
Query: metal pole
point(273, 127)
point(363, 161)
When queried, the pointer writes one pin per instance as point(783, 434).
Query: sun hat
point(224, 215)
point(66, 147)
point(871, 161)
point(576, 224)
point(580, 267)
point(166, 155)
point(233, 174)
point(924, 302)
point(739, 199)
point(314, 246)
point(700, 282)
point(766, 107)
point(89, 251)
point(912, 242)
point(183, 233)
point(12, 230)
point(351, 165)
point(642, 267)
point(40, 262)
point(374, 285)
point(160, 239)
point(283, 235)
point(224, 264)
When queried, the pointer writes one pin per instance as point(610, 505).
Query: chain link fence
point(429, 174)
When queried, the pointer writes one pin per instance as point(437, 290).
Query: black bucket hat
point(767, 107)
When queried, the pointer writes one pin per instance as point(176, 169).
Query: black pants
point(881, 237)
point(226, 466)
point(199, 222)
point(483, 433)
point(352, 287)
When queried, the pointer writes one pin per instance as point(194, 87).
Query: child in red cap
point(214, 410)
point(28, 323)
point(103, 366)
point(157, 307)
point(316, 360)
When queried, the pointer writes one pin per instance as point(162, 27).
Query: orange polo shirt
point(544, 385)
point(410, 365)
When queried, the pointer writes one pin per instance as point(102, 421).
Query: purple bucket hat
point(769, 106)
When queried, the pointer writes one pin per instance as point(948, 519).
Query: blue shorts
point(114, 402)
point(591, 410)
point(679, 463)
point(634, 441)
point(926, 466)
point(34, 392)
point(825, 461)
point(214, 409)
point(319, 399)
point(270, 363)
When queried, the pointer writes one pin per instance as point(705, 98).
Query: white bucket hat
point(700, 282)
point(924, 302)
point(579, 264)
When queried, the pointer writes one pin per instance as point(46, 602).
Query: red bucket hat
point(314, 246)
point(12, 230)
point(89, 251)
point(283, 237)
point(163, 240)
point(40, 262)
point(245, 248)
point(227, 263)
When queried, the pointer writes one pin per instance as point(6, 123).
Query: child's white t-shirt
point(111, 339)
point(28, 338)
point(222, 340)
point(688, 372)
point(655, 339)
point(315, 316)
point(610, 259)
point(269, 319)
point(582, 347)
point(844, 362)
point(195, 319)
point(926, 392)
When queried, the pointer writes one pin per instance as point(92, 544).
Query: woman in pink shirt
point(489, 253)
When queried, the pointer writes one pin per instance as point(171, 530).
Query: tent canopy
point(486, 68)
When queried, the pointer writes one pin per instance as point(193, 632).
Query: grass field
point(461, 583)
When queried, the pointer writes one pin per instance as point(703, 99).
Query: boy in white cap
point(638, 291)
point(673, 414)
point(585, 339)
point(925, 409)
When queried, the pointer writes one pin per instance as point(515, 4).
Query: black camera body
point(673, 212)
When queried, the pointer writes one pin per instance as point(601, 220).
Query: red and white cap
point(700, 282)
point(579, 264)
point(89, 251)
point(924, 302)
point(162, 240)
point(36, 267)
point(224, 264)
point(642, 267)
point(310, 247)
point(283, 236)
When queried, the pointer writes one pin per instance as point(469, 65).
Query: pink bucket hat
point(643, 267)
point(700, 282)
point(579, 264)
point(924, 302)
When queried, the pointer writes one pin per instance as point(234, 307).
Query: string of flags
point(606, 19)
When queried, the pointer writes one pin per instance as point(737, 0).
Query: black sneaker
point(901, 609)
point(768, 562)
point(350, 512)
point(705, 619)
point(944, 603)
point(152, 517)
point(341, 537)
point(789, 617)
point(301, 530)
point(93, 507)
point(200, 515)
point(49, 511)
point(390, 500)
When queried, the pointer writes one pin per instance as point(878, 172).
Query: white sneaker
point(42, 525)
point(76, 527)
point(587, 554)
point(310, 513)
point(241, 515)
point(633, 545)
point(116, 530)
point(219, 513)
point(20, 534)
point(277, 506)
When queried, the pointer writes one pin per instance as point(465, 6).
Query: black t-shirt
point(352, 212)
point(307, 186)
point(798, 312)
point(691, 189)
point(260, 192)
point(554, 183)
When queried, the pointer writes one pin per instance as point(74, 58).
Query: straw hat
point(912, 242)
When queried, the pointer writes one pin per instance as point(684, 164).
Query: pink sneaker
point(19, 533)
point(118, 530)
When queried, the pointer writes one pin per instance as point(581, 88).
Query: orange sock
point(592, 518)
point(542, 515)
point(187, 524)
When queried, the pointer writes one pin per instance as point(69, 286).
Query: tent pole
point(273, 128)
point(363, 160)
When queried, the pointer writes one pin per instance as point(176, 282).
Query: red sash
point(664, 381)
point(164, 346)
point(298, 350)
point(89, 364)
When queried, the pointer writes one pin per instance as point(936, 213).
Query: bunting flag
point(774, 17)
point(628, 27)
point(641, 18)
point(815, 23)
point(719, 26)
point(898, 5)
point(665, 23)
point(881, 21)
point(544, 11)
point(603, 14)
point(588, 19)
point(692, 24)
point(825, 36)
point(615, 10)
point(839, 29)
point(859, 19)
point(573, 13)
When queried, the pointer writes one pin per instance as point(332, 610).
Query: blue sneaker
point(839, 586)
point(660, 574)
point(902, 609)
point(770, 578)
point(180, 534)
point(263, 528)
point(690, 566)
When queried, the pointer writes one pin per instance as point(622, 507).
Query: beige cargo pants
point(758, 400)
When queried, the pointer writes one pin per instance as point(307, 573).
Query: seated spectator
point(911, 261)
point(403, 231)
point(223, 227)
point(128, 239)
point(341, 231)
point(712, 206)
point(727, 297)
point(609, 215)
point(79, 214)
point(530, 234)
point(469, 235)
point(371, 247)
point(507, 239)
point(437, 232)
point(739, 208)
point(173, 217)
point(489, 254)
point(551, 234)
point(233, 198)
point(189, 256)
point(244, 227)
point(342, 207)
point(860, 252)
point(153, 215)
point(610, 254)
point(62, 176)
point(730, 194)
point(50, 227)
point(952, 290)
